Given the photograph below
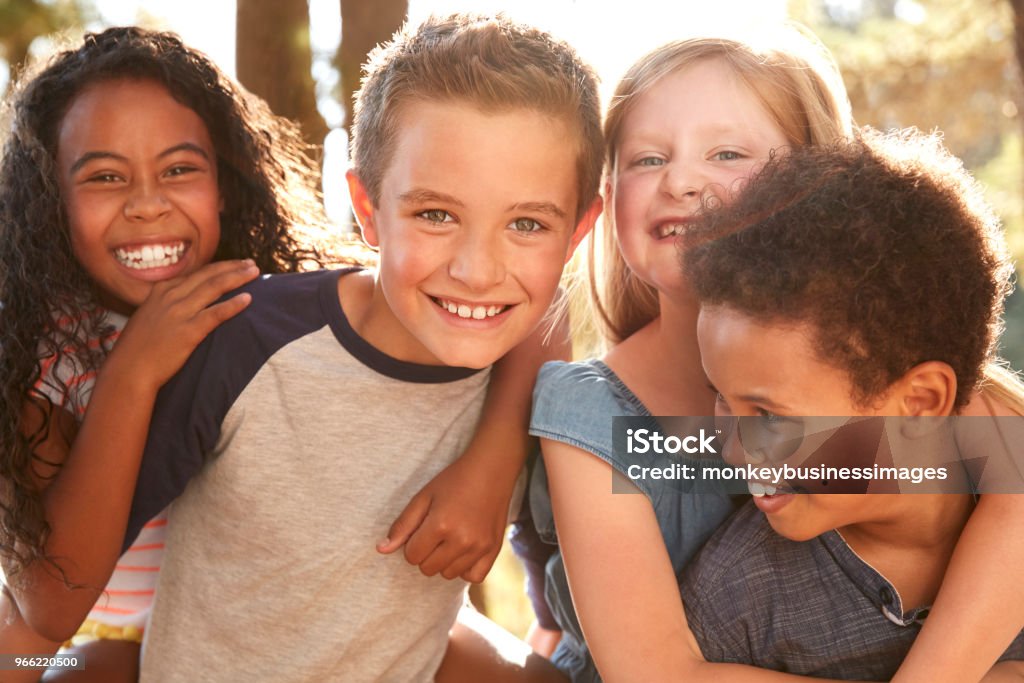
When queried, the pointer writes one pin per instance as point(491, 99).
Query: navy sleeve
point(191, 407)
point(184, 429)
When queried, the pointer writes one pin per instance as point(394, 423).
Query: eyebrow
point(426, 196)
point(102, 154)
point(548, 208)
point(421, 196)
point(763, 400)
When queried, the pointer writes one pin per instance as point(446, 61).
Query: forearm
point(623, 586)
point(979, 610)
point(17, 638)
point(502, 439)
point(87, 505)
point(1005, 672)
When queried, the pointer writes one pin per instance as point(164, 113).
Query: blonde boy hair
point(491, 63)
point(797, 82)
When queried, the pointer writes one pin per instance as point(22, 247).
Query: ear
point(585, 225)
point(362, 208)
point(928, 389)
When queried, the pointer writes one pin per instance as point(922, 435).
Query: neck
point(910, 540)
point(661, 362)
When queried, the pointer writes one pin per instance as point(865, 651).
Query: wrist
point(125, 375)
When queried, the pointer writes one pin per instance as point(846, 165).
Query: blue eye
point(526, 225)
point(727, 155)
point(650, 161)
point(436, 216)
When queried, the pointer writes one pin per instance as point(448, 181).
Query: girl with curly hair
point(131, 164)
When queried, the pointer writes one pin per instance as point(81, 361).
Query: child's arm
point(87, 504)
point(1005, 672)
point(979, 609)
point(16, 637)
point(622, 580)
point(454, 525)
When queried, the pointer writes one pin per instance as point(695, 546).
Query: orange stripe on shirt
point(133, 568)
point(113, 610)
point(147, 546)
point(111, 591)
point(155, 523)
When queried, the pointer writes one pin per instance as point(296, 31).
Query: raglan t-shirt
point(290, 445)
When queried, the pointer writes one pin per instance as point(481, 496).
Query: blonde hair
point(492, 63)
point(1004, 386)
point(798, 84)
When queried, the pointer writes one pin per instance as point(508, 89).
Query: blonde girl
point(689, 123)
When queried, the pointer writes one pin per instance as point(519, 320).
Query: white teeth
point(757, 489)
point(769, 490)
point(151, 255)
point(671, 229)
point(467, 311)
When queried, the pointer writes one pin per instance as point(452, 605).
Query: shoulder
point(582, 388)
point(575, 403)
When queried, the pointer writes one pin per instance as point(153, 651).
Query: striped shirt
point(128, 596)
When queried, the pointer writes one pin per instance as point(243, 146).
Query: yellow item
point(94, 630)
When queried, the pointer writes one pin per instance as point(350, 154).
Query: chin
point(475, 361)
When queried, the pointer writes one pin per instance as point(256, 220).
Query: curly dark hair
point(267, 181)
point(884, 245)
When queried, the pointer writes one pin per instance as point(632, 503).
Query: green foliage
point(954, 71)
point(22, 21)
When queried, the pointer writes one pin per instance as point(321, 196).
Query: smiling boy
point(811, 308)
point(296, 433)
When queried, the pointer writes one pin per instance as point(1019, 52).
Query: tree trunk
point(364, 24)
point(274, 60)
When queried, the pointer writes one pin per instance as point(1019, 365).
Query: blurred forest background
point(951, 65)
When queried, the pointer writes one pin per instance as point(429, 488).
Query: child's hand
point(176, 316)
point(453, 526)
point(543, 640)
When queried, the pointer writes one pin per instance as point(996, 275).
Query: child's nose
point(477, 262)
point(681, 180)
point(146, 202)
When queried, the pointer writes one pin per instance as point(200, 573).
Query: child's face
point(475, 221)
point(698, 130)
point(771, 375)
point(139, 176)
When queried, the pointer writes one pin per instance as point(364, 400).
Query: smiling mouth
point(666, 230)
point(764, 490)
point(151, 255)
point(464, 310)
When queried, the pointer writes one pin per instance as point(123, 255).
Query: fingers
point(482, 567)
point(212, 281)
point(455, 553)
point(214, 315)
point(409, 520)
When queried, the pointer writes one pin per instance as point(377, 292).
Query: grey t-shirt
point(294, 444)
point(812, 608)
